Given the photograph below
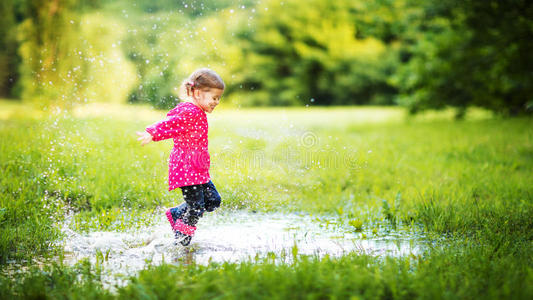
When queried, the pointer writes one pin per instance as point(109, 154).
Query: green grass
point(470, 180)
point(463, 271)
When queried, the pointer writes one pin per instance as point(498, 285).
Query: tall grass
point(470, 180)
point(460, 272)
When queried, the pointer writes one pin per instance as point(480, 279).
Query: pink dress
point(189, 160)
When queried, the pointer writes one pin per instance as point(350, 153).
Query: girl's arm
point(170, 127)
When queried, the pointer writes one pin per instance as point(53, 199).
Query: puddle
point(233, 237)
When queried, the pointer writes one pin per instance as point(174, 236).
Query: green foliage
point(54, 282)
point(464, 273)
point(166, 47)
point(51, 168)
point(415, 53)
point(57, 52)
point(50, 63)
point(471, 53)
point(310, 54)
point(153, 50)
point(27, 214)
point(9, 59)
point(463, 270)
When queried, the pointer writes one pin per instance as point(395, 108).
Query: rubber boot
point(176, 213)
point(183, 232)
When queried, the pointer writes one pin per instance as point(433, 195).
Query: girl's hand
point(144, 137)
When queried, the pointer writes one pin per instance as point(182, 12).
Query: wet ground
point(233, 236)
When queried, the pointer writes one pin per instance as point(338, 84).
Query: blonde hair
point(202, 79)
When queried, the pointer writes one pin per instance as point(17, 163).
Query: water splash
point(231, 236)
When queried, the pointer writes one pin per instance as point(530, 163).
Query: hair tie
point(191, 83)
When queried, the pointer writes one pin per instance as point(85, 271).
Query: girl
point(189, 160)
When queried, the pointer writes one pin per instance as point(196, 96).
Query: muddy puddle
point(232, 237)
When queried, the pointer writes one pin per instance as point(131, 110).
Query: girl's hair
point(203, 78)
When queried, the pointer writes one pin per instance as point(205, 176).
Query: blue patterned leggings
point(198, 198)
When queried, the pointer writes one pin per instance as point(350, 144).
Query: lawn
point(467, 180)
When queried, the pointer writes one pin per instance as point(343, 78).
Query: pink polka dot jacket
point(189, 160)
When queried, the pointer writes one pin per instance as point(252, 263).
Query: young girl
point(189, 160)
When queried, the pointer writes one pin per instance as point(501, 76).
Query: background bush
point(421, 54)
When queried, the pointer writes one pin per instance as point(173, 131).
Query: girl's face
point(207, 99)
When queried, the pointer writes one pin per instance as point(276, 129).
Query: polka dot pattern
point(189, 160)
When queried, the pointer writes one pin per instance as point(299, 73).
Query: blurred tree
point(422, 54)
point(312, 54)
point(109, 75)
point(69, 55)
point(9, 59)
point(472, 53)
point(190, 8)
point(155, 46)
point(52, 67)
point(166, 46)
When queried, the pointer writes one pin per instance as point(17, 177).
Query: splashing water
point(229, 236)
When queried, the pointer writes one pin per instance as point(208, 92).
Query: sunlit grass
point(15, 109)
point(470, 180)
point(342, 160)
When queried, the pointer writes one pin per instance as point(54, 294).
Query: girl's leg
point(198, 199)
point(178, 211)
point(194, 198)
point(175, 213)
point(212, 197)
